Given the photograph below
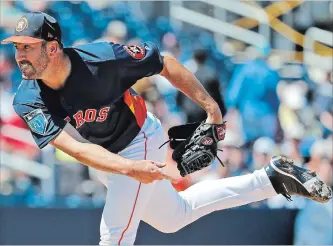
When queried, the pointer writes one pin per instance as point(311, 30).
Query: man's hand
point(147, 171)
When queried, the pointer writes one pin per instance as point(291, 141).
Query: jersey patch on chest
point(37, 121)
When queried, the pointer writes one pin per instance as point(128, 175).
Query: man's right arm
point(47, 128)
point(95, 156)
point(91, 154)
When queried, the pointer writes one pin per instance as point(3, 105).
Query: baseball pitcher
point(79, 99)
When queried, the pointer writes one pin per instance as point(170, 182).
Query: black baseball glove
point(195, 145)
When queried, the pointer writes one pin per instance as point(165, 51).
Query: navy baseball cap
point(34, 28)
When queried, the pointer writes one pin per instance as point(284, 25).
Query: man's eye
point(26, 46)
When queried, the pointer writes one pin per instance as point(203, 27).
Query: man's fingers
point(169, 177)
point(162, 174)
point(160, 165)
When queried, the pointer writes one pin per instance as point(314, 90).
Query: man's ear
point(53, 48)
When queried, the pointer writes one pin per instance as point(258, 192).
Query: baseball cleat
point(289, 179)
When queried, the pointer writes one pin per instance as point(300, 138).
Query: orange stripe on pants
point(137, 195)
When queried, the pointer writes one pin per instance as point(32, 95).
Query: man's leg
point(127, 198)
point(169, 211)
point(125, 202)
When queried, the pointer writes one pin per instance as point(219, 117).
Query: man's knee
point(168, 228)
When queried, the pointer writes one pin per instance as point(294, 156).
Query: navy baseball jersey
point(96, 99)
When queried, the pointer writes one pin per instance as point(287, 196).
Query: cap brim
point(21, 39)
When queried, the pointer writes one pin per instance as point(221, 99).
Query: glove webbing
point(199, 134)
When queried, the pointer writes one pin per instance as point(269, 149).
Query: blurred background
point(267, 64)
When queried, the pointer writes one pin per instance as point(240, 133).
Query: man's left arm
point(187, 83)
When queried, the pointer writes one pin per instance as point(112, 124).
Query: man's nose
point(20, 56)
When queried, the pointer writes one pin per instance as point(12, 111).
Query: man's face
point(32, 59)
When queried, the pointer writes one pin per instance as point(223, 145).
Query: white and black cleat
point(289, 179)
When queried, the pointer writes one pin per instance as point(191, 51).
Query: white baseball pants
point(159, 204)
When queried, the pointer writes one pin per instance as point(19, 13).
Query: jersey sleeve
point(43, 126)
point(137, 61)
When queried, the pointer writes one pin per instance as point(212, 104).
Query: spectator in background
point(297, 113)
point(116, 32)
point(208, 77)
point(252, 91)
point(232, 156)
point(323, 100)
point(321, 159)
point(263, 149)
point(33, 6)
point(98, 5)
point(296, 148)
point(225, 64)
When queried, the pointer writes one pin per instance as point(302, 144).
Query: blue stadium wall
point(81, 226)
